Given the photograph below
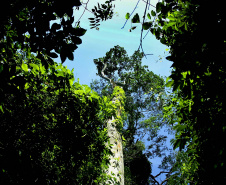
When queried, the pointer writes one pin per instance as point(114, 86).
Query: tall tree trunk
point(116, 161)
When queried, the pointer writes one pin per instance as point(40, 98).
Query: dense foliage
point(44, 28)
point(51, 130)
point(197, 111)
point(197, 49)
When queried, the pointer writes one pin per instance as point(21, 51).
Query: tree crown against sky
point(144, 117)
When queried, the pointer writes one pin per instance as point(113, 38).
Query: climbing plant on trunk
point(106, 69)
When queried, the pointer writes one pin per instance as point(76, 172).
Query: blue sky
point(96, 43)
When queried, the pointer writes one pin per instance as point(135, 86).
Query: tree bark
point(116, 161)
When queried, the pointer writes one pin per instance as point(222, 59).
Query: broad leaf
point(147, 25)
point(24, 67)
point(158, 7)
point(53, 55)
point(79, 31)
point(149, 16)
point(127, 16)
point(136, 18)
point(153, 13)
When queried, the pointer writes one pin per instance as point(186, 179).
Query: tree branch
point(85, 8)
point(142, 29)
point(154, 178)
point(149, 3)
point(103, 75)
point(160, 174)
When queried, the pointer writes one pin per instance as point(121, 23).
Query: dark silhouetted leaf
point(55, 26)
point(53, 55)
point(163, 40)
point(63, 55)
point(79, 31)
point(76, 40)
point(153, 13)
point(70, 56)
point(147, 25)
point(136, 18)
point(158, 7)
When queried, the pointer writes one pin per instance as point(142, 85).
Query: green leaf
point(133, 28)
point(60, 73)
point(149, 16)
point(147, 25)
point(136, 18)
point(35, 66)
point(24, 67)
point(153, 13)
point(179, 127)
point(1, 68)
point(177, 144)
point(169, 83)
point(169, 24)
point(158, 7)
point(186, 26)
point(127, 16)
point(79, 31)
point(171, 18)
point(163, 40)
point(42, 69)
point(1, 109)
point(71, 81)
point(181, 24)
point(123, 138)
point(26, 86)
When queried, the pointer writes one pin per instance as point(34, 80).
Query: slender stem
point(142, 29)
point(131, 13)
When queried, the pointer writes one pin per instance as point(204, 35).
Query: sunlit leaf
point(24, 67)
point(149, 16)
point(127, 16)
